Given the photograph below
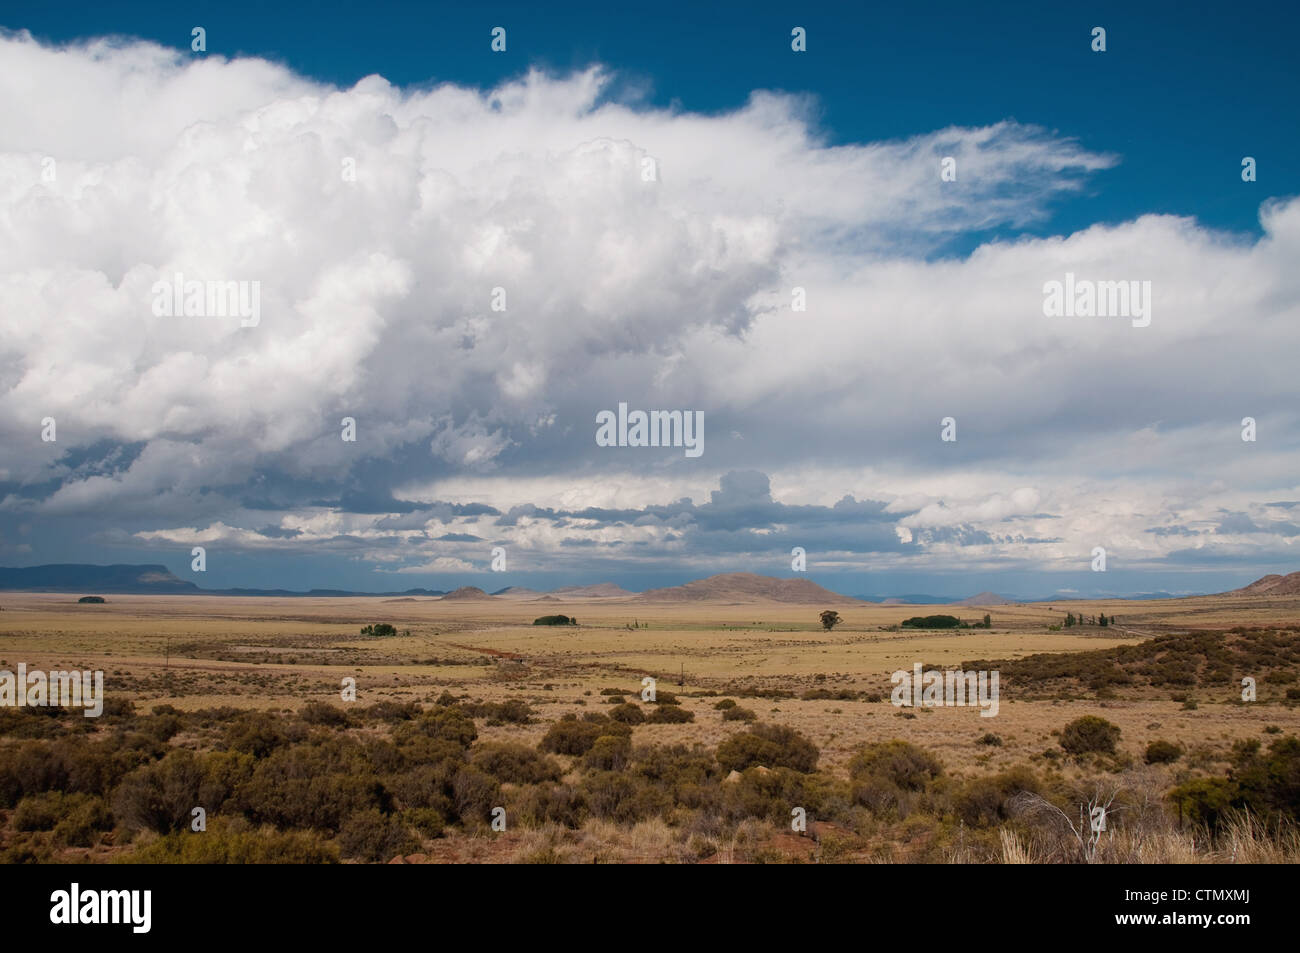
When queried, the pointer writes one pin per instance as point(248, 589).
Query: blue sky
point(814, 170)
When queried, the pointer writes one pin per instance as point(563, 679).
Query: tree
point(830, 619)
point(1069, 619)
point(988, 621)
point(1102, 621)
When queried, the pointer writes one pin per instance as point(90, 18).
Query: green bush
point(373, 837)
point(514, 712)
point(609, 753)
point(382, 629)
point(906, 765)
point(475, 793)
point(773, 746)
point(220, 844)
point(514, 763)
point(622, 798)
point(1163, 752)
point(1089, 733)
point(670, 715)
point(931, 622)
point(258, 733)
point(551, 804)
point(555, 620)
point(571, 736)
point(319, 713)
point(427, 821)
point(627, 713)
point(75, 819)
point(986, 801)
point(316, 785)
point(159, 797)
point(1205, 801)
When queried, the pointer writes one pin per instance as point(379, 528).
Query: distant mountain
point(984, 599)
point(1271, 585)
point(469, 593)
point(909, 599)
point(77, 577)
point(517, 592)
point(601, 590)
point(748, 587)
point(148, 580)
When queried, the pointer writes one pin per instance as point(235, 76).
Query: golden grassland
point(278, 653)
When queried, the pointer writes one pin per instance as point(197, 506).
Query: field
point(198, 654)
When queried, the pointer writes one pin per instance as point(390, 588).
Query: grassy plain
point(196, 652)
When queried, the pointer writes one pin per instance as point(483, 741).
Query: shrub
point(618, 797)
point(256, 732)
point(669, 715)
point(159, 797)
point(91, 599)
point(220, 844)
point(902, 763)
point(382, 629)
point(990, 739)
point(388, 711)
point(75, 819)
point(1089, 733)
point(319, 713)
point(609, 753)
point(987, 801)
point(312, 785)
point(1163, 752)
point(450, 724)
point(769, 745)
point(627, 713)
point(765, 794)
point(514, 712)
point(725, 704)
point(1205, 801)
point(425, 820)
point(555, 620)
point(1269, 784)
point(514, 763)
point(571, 736)
point(931, 622)
point(371, 836)
point(475, 793)
point(736, 713)
point(552, 804)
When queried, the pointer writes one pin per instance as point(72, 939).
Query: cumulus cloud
point(501, 267)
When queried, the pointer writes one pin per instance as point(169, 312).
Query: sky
point(833, 257)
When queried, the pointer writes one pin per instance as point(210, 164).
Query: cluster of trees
point(830, 619)
point(1100, 620)
point(555, 620)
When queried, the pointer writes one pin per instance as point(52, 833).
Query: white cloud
point(376, 304)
